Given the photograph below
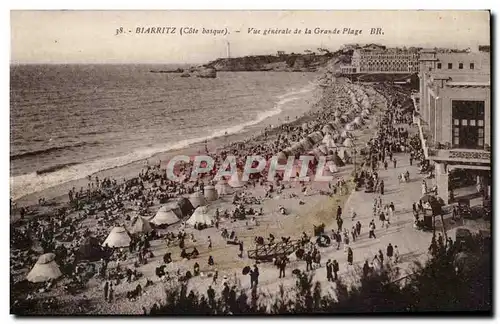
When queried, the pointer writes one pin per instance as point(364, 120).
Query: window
point(472, 66)
point(439, 66)
point(450, 66)
point(460, 66)
point(468, 124)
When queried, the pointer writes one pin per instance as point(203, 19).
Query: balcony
point(443, 154)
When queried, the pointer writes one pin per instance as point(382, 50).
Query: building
point(454, 113)
point(392, 60)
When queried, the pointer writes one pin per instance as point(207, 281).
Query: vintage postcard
point(250, 162)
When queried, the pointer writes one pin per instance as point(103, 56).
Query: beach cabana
point(173, 206)
point(222, 188)
point(349, 127)
point(117, 238)
point(139, 225)
point(306, 143)
point(315, 137)
point(201, 215)
point(197, 199)
point(235, 181)
point(44, 269)
point(90, 250)
point(165, 216)
point(210, 193)
point(186, 207)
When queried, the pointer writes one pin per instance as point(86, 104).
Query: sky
point(90, 36)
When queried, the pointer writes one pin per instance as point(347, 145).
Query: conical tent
point(186, 207)
point(175, 207)
point(165, 216)
point(197, 199)
point(328, 141)
point(222, 188)
point(210, 193)
point(118, 237)
point(140, 225)
point(90, 250)
point(234, 181)
point(349, 127)
point(201, 216)
point(44, 269)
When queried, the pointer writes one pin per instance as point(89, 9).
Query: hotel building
point(392, 60)
point(454, 113)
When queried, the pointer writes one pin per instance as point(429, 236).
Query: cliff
point(283, 62)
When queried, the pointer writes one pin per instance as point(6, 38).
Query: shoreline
point(303, 106)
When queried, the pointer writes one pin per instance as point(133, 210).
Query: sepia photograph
point(167, 162)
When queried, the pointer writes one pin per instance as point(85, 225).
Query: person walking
point(366, 269)
point(106, 290)
point(385, 165)
point(390, 252)
point(241, 249)
point(396, 254)
point(381, 257)
point(358, 228)
point(340, 222)
point(254, 277)
point(329, 270)
point(209, 243)
point(394, 162)
point(339, 212)
point(111, 292)
point(335, 268)
point(282, 266)
point(381, 185)
point(372, 230)
point(349, 256)
point(308, 261)
point(338, 238)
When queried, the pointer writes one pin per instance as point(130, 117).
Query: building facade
point(454, 113)
point(392, 60)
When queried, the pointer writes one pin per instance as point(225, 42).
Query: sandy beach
point(304, 210)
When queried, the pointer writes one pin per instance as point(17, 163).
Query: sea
point(70, 121)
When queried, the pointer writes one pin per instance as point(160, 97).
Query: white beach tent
point(210, 193)
point(118, 237)
point(222, 187)
point(166, 215)
point(140, 225)
point(44, 269)
point(328, 141)
point(173, 206)
point(235, 182)
point(201, 215)
point(197, 199)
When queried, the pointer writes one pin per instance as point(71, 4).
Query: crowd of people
point(90, 212)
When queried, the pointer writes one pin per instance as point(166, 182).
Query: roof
point(468, 84)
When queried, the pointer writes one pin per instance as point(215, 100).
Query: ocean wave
point(49, 150)
point(55, 168)
point(26, 184)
